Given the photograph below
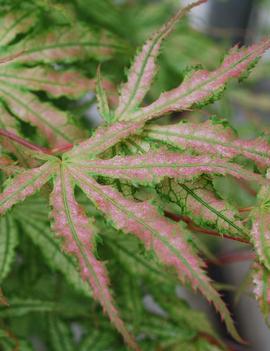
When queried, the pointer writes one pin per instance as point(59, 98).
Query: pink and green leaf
point(154, 166)
point(103, 139)
point(103, 105)
point(8, 166)
point(55, 83)
point(143, 70)
point(260, 233)
point(210, 138)
point(202, 86)
point(14, 23)
point(25, 184)
point(167, 239)
point(197, 199)
point(66, 44)
point(261, 280)
point(71, 224)
point(49, 120)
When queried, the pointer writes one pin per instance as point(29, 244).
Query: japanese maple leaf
point(80, 166)
point(84, 162)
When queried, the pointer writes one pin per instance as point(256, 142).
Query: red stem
point(192, 226)
point(236, 256)
point(14, 137)
point(28, 144)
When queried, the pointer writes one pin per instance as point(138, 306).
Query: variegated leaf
point(8, 166)
point(13, 24)
point(143, 70)
point(210, 138)
point(202, 86)
point(153, 166)
point(197, 199)
point(55, 83)
point(261, 280)
point(260, 233)
point(66, 44)
point(25, 184)
point(102, 99)
point(167, 239)
point(74, 227)
point(36, 227)
point(50, 121)
point(104, 138)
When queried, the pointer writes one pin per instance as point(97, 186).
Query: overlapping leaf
point(198, 200)
point(86, 162)
point(202, 86)
point(211, 138)
point(58, 44)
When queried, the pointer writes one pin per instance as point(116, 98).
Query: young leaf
point(157, 233)
point(74, 227)
point(201, 86)
point(8, 243)
point(197, 199)
point(153, 166)
point(143, 70)
point(25, 184)
point(210, 138)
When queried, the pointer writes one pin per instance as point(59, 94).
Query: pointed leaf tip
point(143, 70)
point(71, 223)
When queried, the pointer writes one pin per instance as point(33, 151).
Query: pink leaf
point(8, 166)
point(164, 237)
point(211, 138)
point(260, 233)
point(71, 223)
point(66, 44)
point(104, 138)
point(50, 121)
point(56, 83)
point(25, 184)
point(153, 166)
point(261, 280)
point(15, 23)
point(202, 85)
point(143, 69)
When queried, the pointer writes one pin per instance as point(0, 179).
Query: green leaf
point(8, 243)
point(19, 307)
point(60, 335)
point(198, 200)
point(37, 228)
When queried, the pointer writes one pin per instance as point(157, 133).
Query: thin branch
point(245, 209)
point(19, 140)
point(192, 226)
point(236, 256)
